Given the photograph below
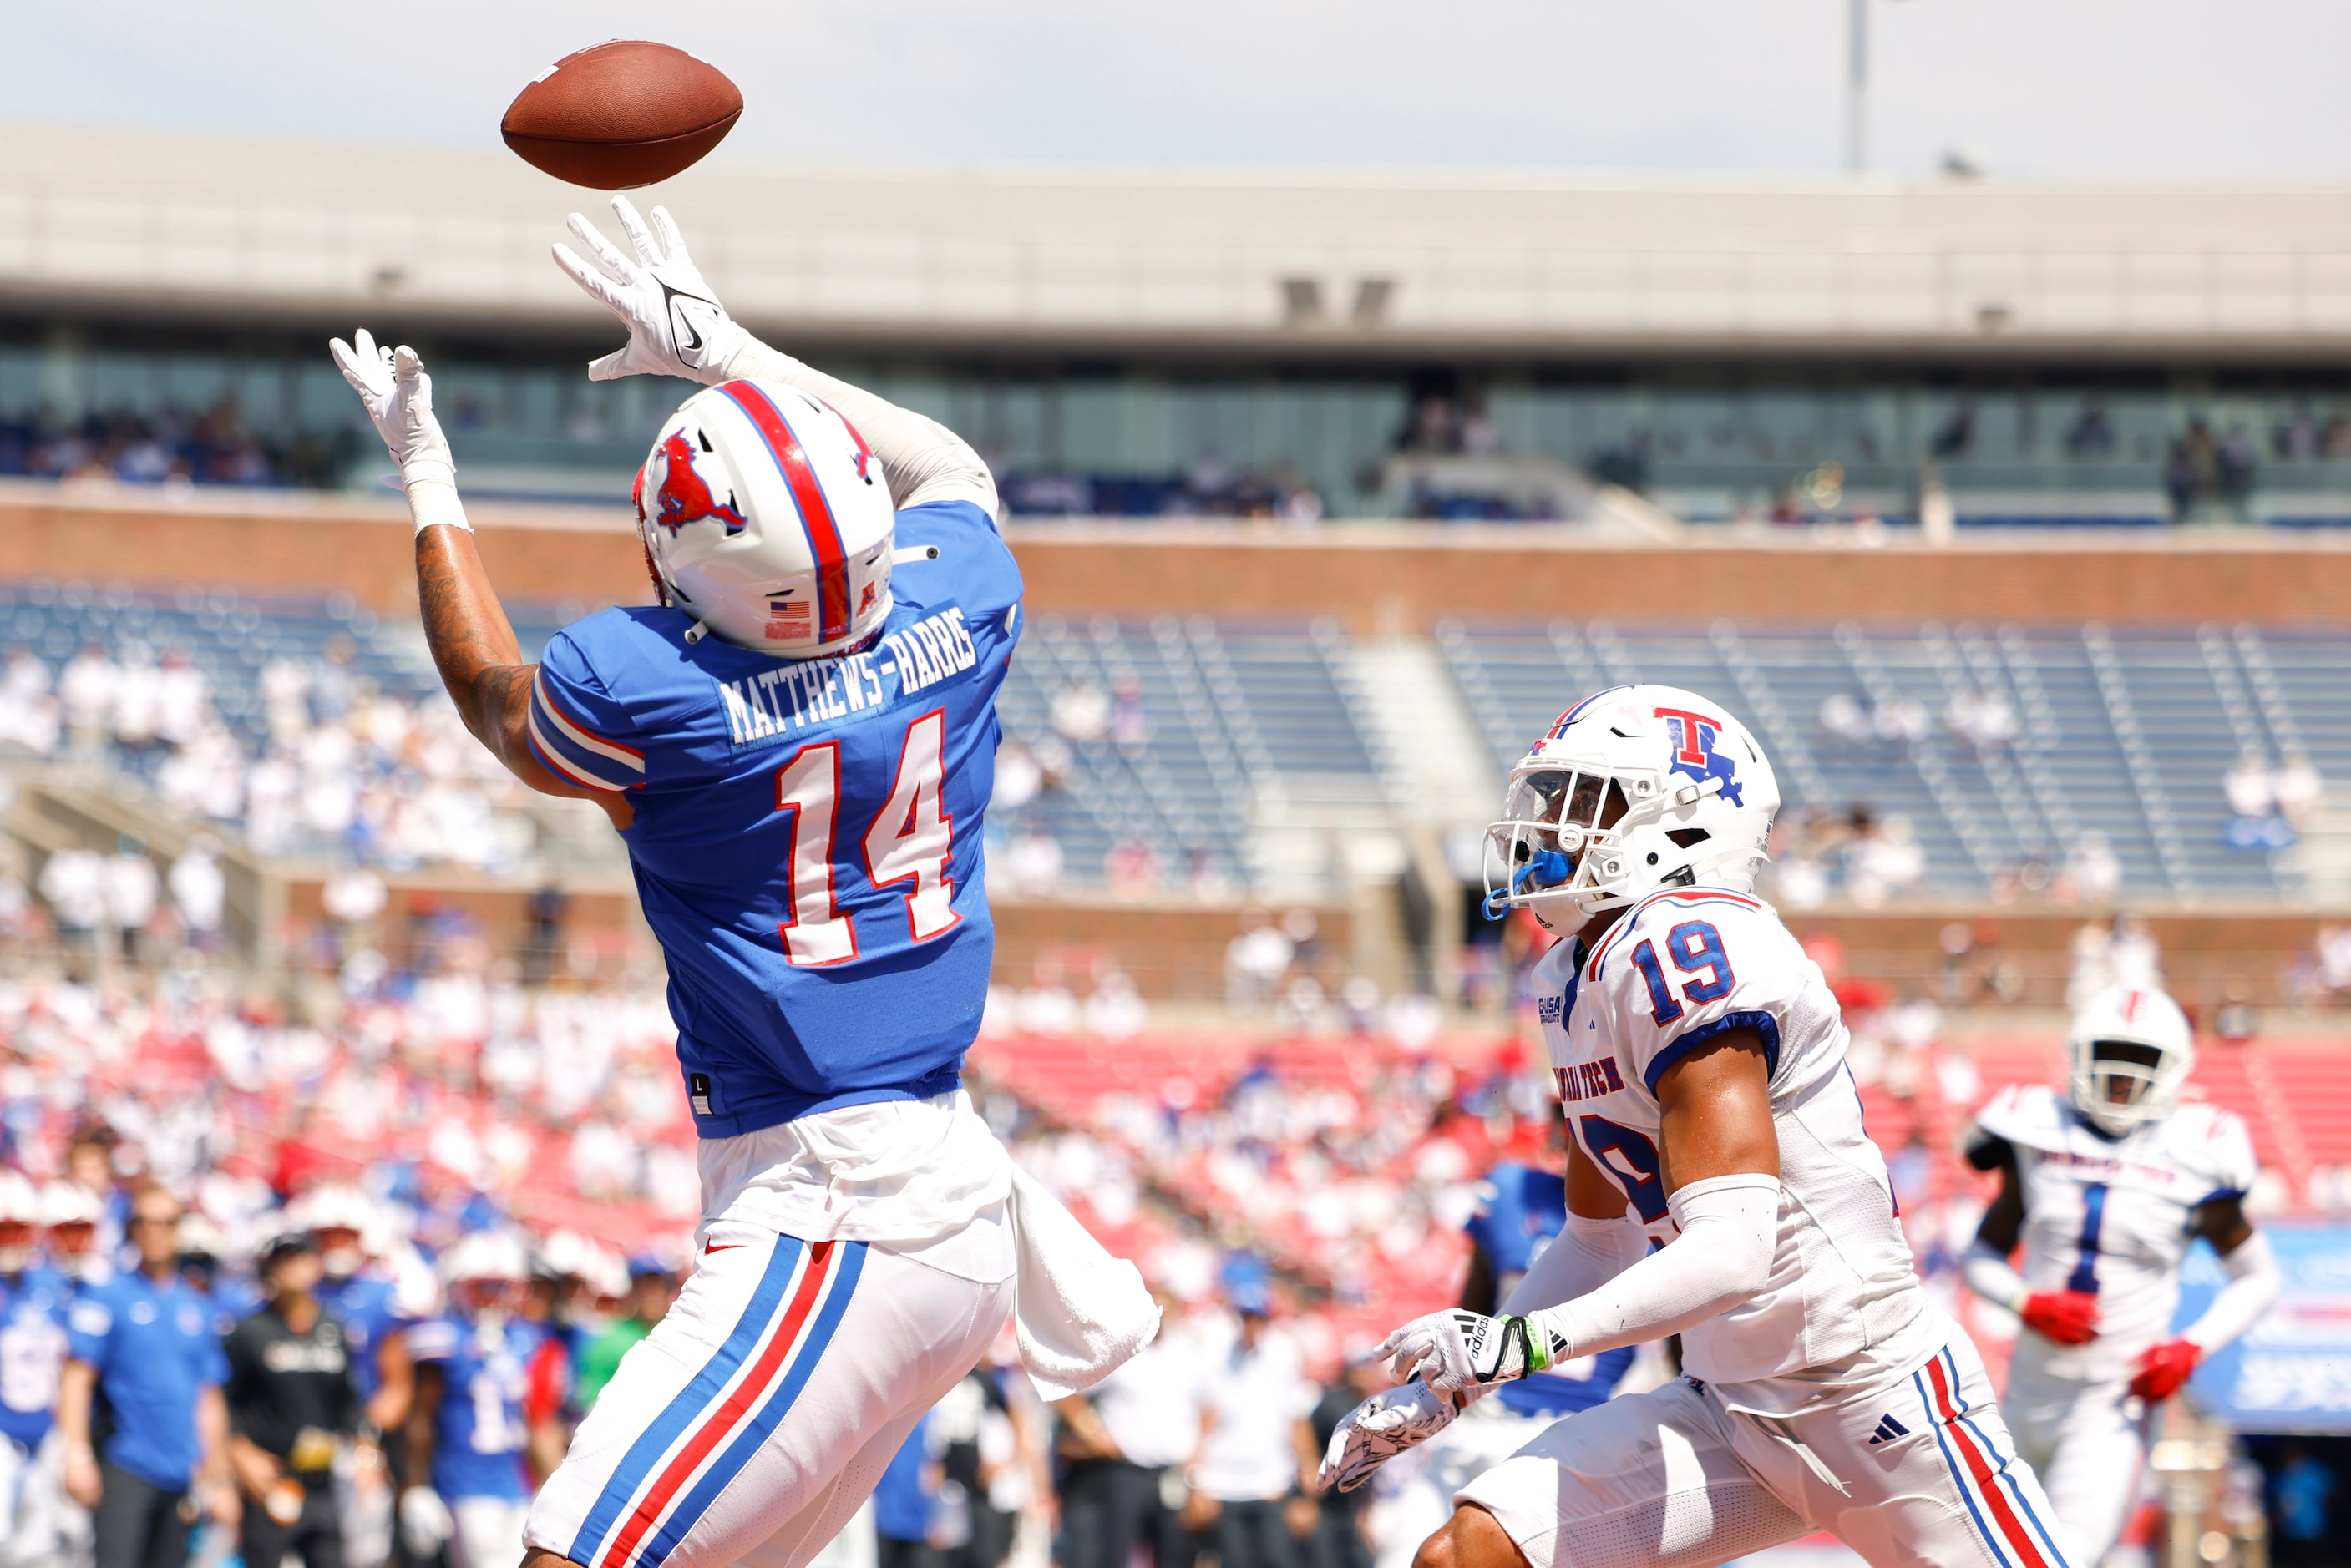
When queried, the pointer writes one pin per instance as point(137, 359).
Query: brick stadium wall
point(2205, 954)
point(1175, 953)
point(1373, 577)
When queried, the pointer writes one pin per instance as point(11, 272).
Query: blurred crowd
point(2271, 806)
point(438, 1153)
point(1026, 858)
point(1984, 720)
point(343, 766)
point(213, 447)
point(1208, 488)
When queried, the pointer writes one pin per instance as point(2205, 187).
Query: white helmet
point(20, 1208)
point(2130, 1051)
point(486, 1255)
point(333, 1205)
point(71, 1203)
point(1692, 794)
point(20, 1201)
point(565, 1254)
point(766, 516)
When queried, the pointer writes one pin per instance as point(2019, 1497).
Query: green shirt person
point(652, 1288)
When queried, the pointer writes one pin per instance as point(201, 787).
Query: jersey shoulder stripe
point(1763, 1023)
point(1687, 896)
point(575, 750)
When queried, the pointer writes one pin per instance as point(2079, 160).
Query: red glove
point(2069, 1318)
point(2163, 1369)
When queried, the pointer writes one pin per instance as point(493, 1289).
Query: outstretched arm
point(1722, 1174)
point(472, 643)
point(677, 328)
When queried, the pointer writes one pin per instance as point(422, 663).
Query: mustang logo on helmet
point(1694, 753)
point(685, 497)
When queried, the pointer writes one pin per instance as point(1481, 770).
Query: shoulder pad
point(2214, 1145)
point(1670, 905)
point(2027, 1115)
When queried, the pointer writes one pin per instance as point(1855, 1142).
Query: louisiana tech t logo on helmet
point(1691, 737)
point(1633, 789)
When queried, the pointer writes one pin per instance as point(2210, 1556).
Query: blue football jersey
point(481, 1439)
point(363, 1303)
point(1520, 1211)
point(32, 1352)
point(806, 836)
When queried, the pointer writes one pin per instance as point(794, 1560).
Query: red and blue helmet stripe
point(834, 611)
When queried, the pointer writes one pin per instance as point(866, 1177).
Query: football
point(622, 114)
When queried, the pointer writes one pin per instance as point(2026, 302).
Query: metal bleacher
point(1248, 726)
point(228, 636)
point(2125, 730)
point(1234, 714)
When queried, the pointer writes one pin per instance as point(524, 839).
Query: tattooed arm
point(474, 648)
point(473, 644)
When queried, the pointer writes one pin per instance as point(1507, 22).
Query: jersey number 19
point(909, 842)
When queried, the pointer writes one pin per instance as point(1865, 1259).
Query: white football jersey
point(1682, 967)
point(2110, 1216)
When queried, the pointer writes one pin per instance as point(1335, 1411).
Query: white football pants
point(757, 1416)
point(2088, 1442)
point(1916, 1471)
point(32, 1499)
point(488, 1533)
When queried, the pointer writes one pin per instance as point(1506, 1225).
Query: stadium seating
point(227, 635)
point(1177, 738)
point(1207, 720)
point(2124, 731)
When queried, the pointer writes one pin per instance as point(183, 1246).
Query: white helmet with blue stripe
point(766, 516)
point(1633, 789)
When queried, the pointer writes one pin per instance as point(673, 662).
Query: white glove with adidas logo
point(1459, 1349)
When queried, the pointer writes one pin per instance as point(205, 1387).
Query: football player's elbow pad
point(1729, 1234)
point(2253, 1284)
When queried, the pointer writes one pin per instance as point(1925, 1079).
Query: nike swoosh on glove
point(1459, 1349)
point(677, 325)
point(2163, 1368)
point(399, 397)
point(2069, 1318)
point(1383, 1427)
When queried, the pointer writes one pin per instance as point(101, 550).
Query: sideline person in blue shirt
point(140, 1410)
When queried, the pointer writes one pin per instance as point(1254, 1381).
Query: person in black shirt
point(1339, 1540)
point(292, 1410)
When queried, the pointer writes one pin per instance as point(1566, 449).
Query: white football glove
point(1458, 1349)
point(425, 1522)
point(1383, 1427)
point(677, 325)
point(391, 383)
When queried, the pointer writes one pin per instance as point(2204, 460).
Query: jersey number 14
point(908, 841)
